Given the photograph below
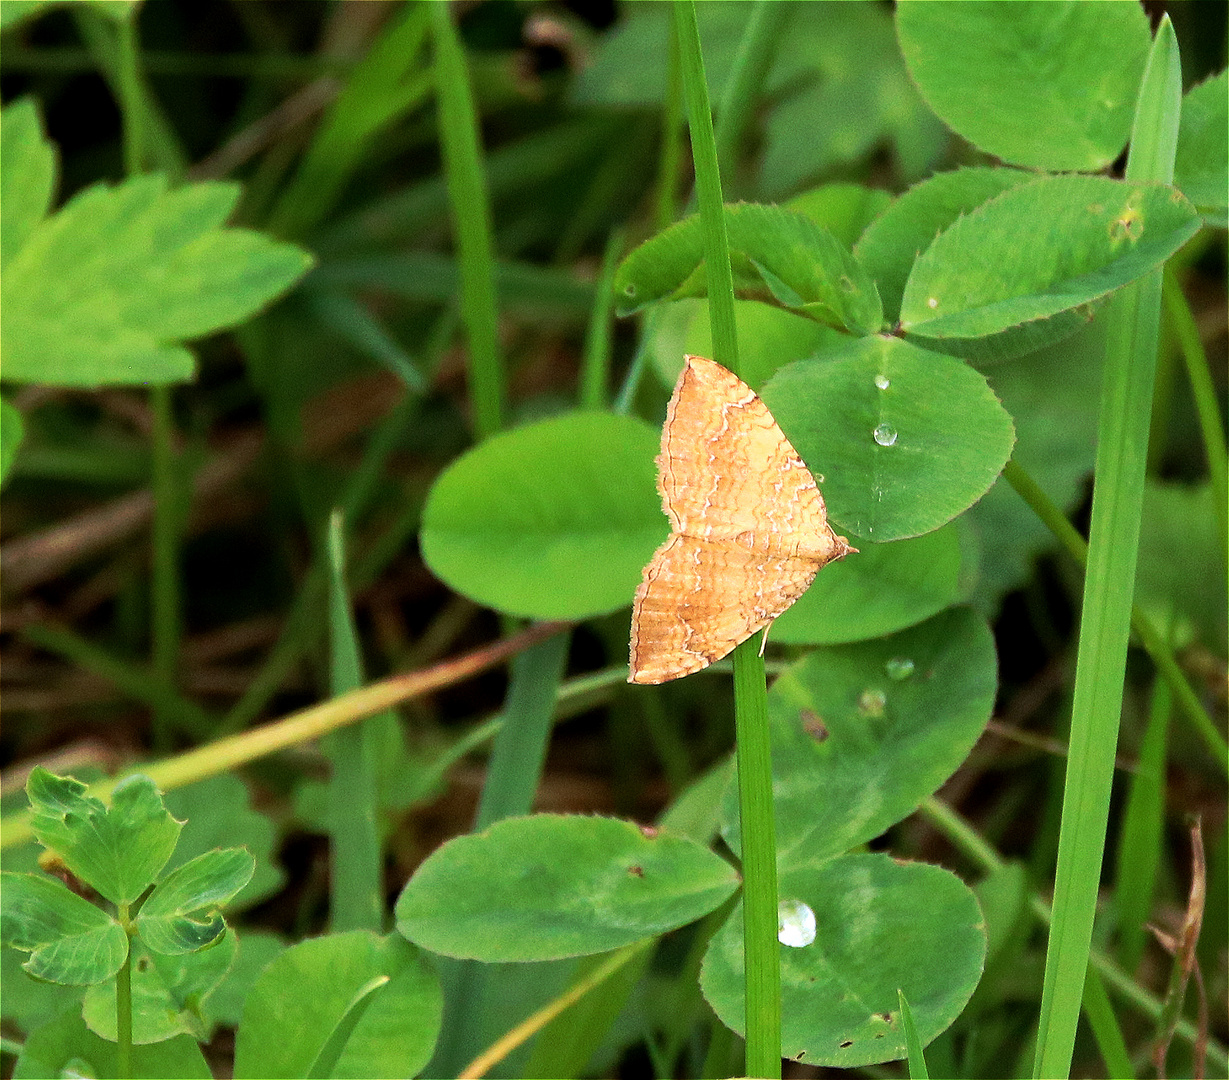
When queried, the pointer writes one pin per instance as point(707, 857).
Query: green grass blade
point(665, 202)
point(353, 797)
point(166, 628)
point(1126, 407)
point(153, 136)
point(520, 746)
point(399, 218)
point(380, 90)
point(471, 218)
point(513, 771)
point(917, 1060)
point(1105, 1028)
point(1139, 846)
point(756, 50)
point(763, 957)
point(353, 321)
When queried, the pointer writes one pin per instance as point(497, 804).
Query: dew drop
point(795, 924)
point(882, 381)
point(899, 668)
point(885, 435)
point(872, 703)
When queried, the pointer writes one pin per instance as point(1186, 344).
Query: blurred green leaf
point(839, 92)
point(217, 812)
point(882, 926)
point(891, 243)
point(1201, 162)
point(977, 290)
point(306, 993)
point(629, 63)
point(863, 733)
point(103, 290)
point(69, 940)
point(1178, 533)
point(1053, 396)
point(28, 168)
point(14, 11)
point(554, 520)
point(1004, 898)
point(900, 440)
point(118, 850)
point(768, 337)
point(12, 431)
point(66, 1047)
point(544, 294)
point(256, 950)
point(549, 886)
point(778, 256)
point(977, 65)
point(27, 1002)
point(845, 210)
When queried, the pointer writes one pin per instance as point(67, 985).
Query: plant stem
point(123, 1009)
point(759, 856)
point(760, 947)
point(1122, 447)
point(165, 625)
point(720, 276)
point(595, 369)
point(130, 96)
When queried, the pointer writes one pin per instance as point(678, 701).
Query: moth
point(748, 528)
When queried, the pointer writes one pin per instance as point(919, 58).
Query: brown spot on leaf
point(813, 724)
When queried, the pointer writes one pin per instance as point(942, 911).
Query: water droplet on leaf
point(885, 435)
point(882, 381)
point(899, 668)
point(872, 702)
point(795, 924)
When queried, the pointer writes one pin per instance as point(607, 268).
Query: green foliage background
point(336, 340)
